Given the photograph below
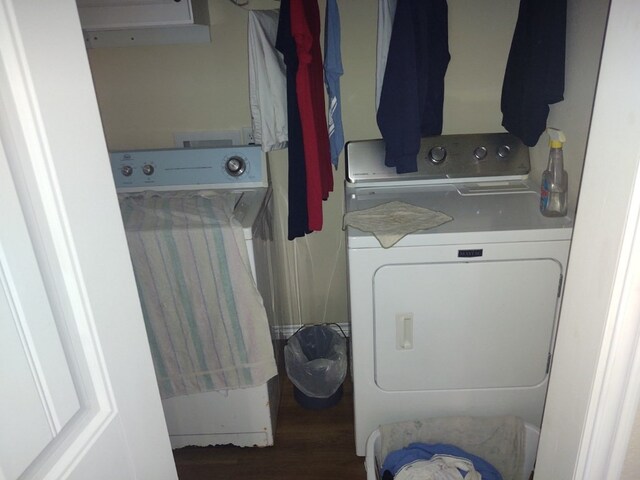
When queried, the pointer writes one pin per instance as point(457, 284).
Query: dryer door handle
point(404, 331)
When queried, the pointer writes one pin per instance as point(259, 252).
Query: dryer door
point(486, 324)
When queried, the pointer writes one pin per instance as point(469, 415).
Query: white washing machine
point(242, 416)
point(459, 319)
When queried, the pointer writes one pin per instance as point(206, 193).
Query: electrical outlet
point(247, 136)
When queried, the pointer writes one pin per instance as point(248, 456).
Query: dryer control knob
point(437, 155)
point(480, 153)
point(504, 151)
point(148, 169)
point(126, 170)
point(235, 166)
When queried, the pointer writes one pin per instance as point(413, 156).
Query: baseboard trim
point(282, 332)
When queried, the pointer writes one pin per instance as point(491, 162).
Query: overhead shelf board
point(121, 23)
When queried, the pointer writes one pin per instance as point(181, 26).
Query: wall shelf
point(121, 23)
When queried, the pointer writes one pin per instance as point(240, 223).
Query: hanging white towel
point(386, 12)
point(267, 82)
point(205, 319)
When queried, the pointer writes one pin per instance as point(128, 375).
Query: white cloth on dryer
point(206, 321)
point(392, 221)
point(439, 467)
point(267, 82)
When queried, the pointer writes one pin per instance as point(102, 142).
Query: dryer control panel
point(189, 168)
point(442, 159)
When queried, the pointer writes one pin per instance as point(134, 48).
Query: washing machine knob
point(126, 170)
point(148, 169)
point(235, 166)
point(480, 153)
point(504, 151)
point(437, 154)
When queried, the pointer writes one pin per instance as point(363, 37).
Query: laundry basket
point(373, 462)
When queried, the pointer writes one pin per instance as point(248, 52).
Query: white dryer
point(241, 416)
point(458, 319)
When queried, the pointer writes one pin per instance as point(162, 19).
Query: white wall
point(594, 388)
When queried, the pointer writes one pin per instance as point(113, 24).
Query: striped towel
point(205, 319)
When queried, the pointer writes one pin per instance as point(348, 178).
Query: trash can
point(316, 362)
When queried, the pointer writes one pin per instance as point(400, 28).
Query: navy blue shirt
point(298, 219)
point(412, 96)
point(534, 77)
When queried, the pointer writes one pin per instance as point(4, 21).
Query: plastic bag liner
point(316, 362)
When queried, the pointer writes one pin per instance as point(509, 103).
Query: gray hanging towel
point(534, 77)
point(206, 321)
point(267, 82)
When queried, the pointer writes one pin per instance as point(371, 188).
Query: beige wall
point(146, 94)
point(586, 20)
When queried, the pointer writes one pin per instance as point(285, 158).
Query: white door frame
point(594, 388)
point(107, 422)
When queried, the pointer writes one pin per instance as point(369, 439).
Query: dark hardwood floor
point(309, 445)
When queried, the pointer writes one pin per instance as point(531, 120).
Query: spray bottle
point(553, 191)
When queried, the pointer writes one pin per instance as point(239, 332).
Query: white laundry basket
point(373, 461)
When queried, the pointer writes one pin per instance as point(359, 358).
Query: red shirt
point(305, 27)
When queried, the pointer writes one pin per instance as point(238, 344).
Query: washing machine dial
point(437, 155)
point(126, 170)
point(504, 151)
point(148, 169)
point(235, 166)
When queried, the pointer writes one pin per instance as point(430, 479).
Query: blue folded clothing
point(423, 451)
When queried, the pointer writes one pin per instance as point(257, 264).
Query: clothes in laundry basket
point(397, 460)
point(440, 467)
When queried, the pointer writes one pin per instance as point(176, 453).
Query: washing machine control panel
point(189, 168)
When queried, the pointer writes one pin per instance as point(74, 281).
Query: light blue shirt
point(332, 73)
